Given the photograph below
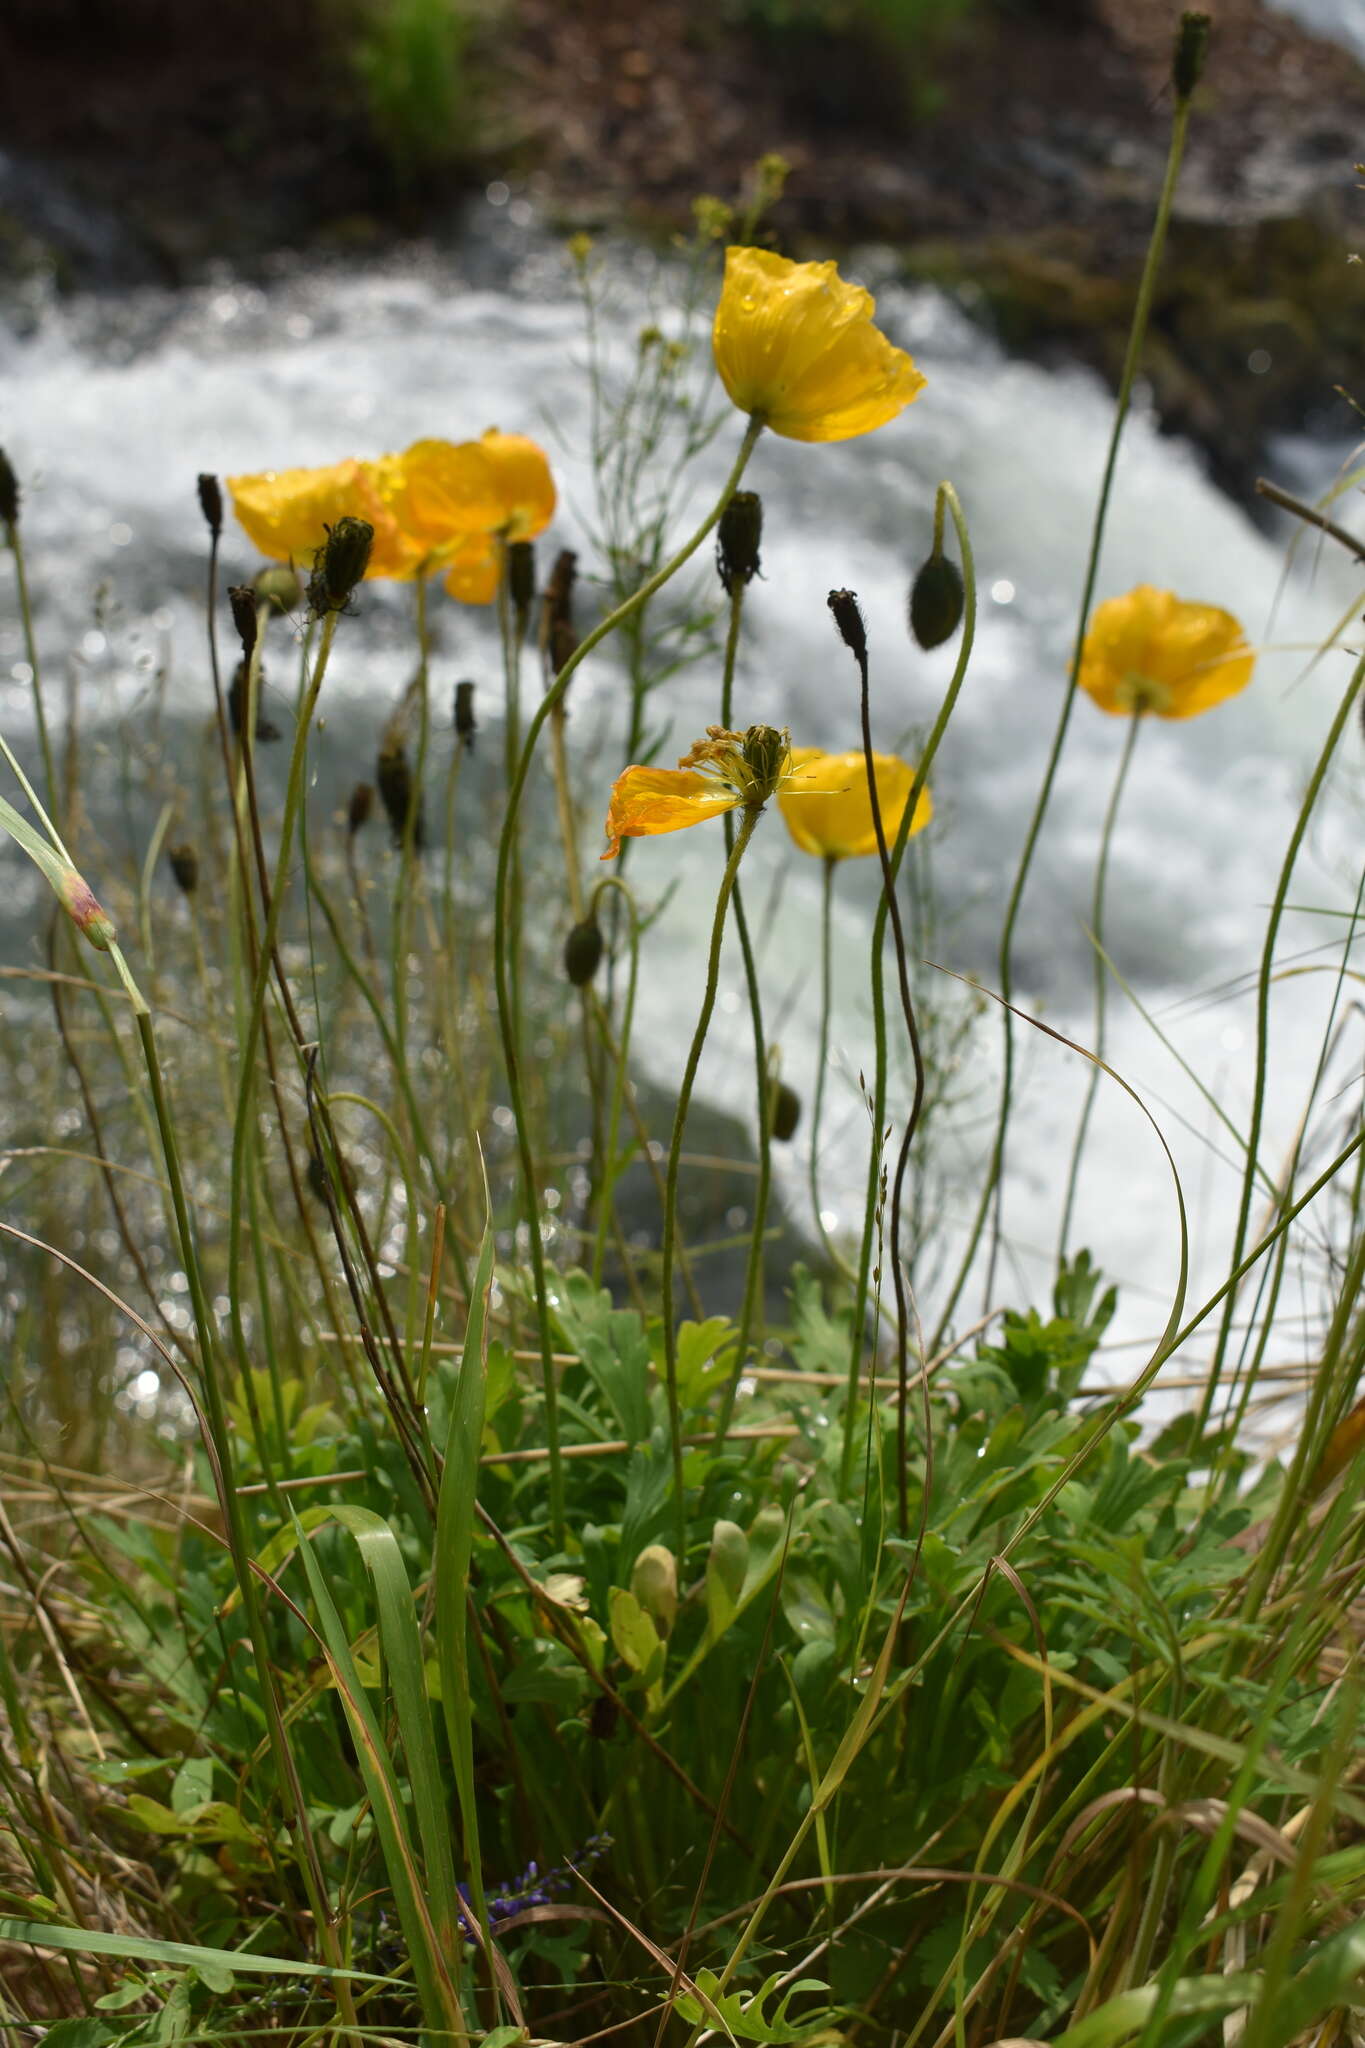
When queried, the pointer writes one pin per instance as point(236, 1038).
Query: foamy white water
point(109, 408)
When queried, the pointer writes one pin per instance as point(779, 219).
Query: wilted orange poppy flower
point(720, 773)
point(796, 347)
point(287, 513)
point(828, 809)
point(1150, 651)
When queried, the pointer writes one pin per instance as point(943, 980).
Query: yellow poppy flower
point(795, 345)
point(460, 501)
point(720, 773)
point(286, 513)
point(828, 809)
point(1153, 651)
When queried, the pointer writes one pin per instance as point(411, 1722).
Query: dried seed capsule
point(784, 1111)
point(936, 599)
point(737, 540)
point(184, 866)
point(843, 605)
point(211, 503)
point(466, 725)
point(583, 951)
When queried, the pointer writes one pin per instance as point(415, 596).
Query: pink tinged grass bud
point(9, 492)
point(81, 905)
point(211, 503)
point(843, 605)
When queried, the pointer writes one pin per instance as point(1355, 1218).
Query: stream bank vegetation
point(428, 1609)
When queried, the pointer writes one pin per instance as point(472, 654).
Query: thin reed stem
point(821, 1060)
point(16, 547)
point(1101, 972)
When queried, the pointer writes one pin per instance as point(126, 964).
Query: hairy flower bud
point(184, 866)
point(9, 492)
point(583, 951)
point(936, 600)
point(737, 540)
point(521, 579)
point(466, 725)
point(1191, 48)
point(843, 605)
point(340, 563)
point(211, 503)
point(398, 793)
point(242, 599)
point(359, 808)
point(766, 754)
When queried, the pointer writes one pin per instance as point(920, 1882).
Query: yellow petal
point(522, 480)
point(286, 513)
point(645, 801)
point(827, 807)
point(475, 568)
point(1154, 652)
point(796, 344)
point(444, 491)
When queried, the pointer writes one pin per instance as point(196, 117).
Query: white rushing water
point(110, 407)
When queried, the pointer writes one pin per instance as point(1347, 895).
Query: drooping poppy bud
point(843, 606)
point(583, 951)
point(784, 1111)
point(936, 600)
point(278, 584)
point(737, 540)
point(185, 867)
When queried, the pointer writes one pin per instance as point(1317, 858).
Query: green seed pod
point(340, 563)
point(583, 951)
point(737, 540)
point(9, 492)
point(784, 1111)
point(936, 599)
point(184, 866)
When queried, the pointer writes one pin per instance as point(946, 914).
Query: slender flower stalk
point(752, 814)
point(508, 1015)
point(821, 1058)
point(948, 496)
point(992, 1190)
point(10, 527)
point(1101, 970)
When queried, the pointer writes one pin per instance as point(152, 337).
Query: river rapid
point(110, 405)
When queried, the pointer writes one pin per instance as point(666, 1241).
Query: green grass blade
point(189, 1955)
